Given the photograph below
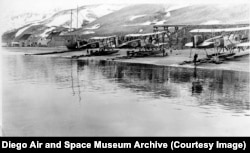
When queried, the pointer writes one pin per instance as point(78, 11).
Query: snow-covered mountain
point(58, 17)
point(77, 17)
point(48, 21)
point(141, 18)
point(109, 19)
point(15, 20)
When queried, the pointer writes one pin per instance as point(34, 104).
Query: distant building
point(14, 44)
point(38, 41)
point(34, 41)
point(43, 42)
point(24, 40)
point(55, 39)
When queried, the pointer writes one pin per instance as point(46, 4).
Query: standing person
point(150, 39)
point(195, 58)
point(163, 51)
point(170, 45)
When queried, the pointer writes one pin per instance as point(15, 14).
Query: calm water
point(49, 96)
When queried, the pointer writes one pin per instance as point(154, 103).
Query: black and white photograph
point(97, 68)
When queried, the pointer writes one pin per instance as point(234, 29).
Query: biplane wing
point(131, 43)
point(102, 38)
point(145, 34)
point(160, 44)
point(219, 30)
point(137, 42)
point(90, 45)
point(213, 38)
point(206, 44)
point(203, 44)
point(190, 44)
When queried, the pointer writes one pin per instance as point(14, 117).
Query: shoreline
point(190, 66)
point(241, 64)
point(173, 59)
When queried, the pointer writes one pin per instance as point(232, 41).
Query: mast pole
point(71, 19)
point(77, 17)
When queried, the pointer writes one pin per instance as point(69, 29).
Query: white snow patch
point(45, 33)
point(96, 26)
point(23, 29)
point(161, 22)
point(139, 24)
point(136, 16)
point(174, 7)
point(146, 23)
point(168, 14)
point(87, 32)
point(212, 22)
point(131, 25)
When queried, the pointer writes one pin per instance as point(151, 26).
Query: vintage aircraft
point(148, 44)
point(147, 40)
point(106, 45)
point(229, 39)
point(78, 44)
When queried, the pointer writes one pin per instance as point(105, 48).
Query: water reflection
point(196, 83)
point(227, 88)
point(55, 96)
point(77, 82)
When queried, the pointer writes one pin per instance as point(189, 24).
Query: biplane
point(78, 44)
point(148, 44)
point(229, 39)
point(106, 45)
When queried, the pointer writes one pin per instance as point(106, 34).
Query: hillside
point(16, 19)
point(99, 20)
point(141, 18)
point(43, 24)
point(86, 14)
point(131, 19)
